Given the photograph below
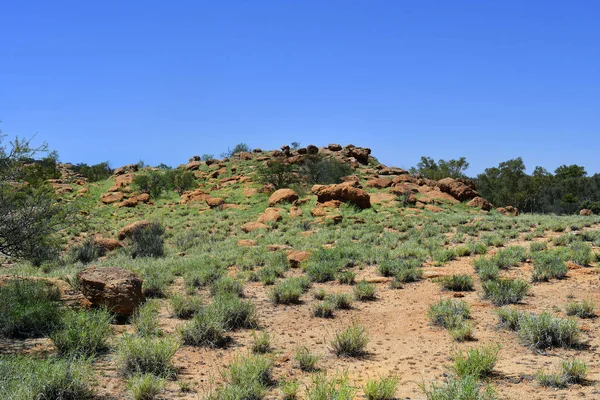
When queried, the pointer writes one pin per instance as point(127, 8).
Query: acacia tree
point(29, 213)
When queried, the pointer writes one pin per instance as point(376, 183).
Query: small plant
point(486, 269)
point(581, 253)
point(323, 309)
point(351, 342)
point(145, 319)
point(583, 309)
point(233, 312)
point(443, 256)
point(261, 344)
point(141, 355)
point(476, 362)
point(364, 291)
point(247, 378)
point(145, 386)
point(346, 277)
point(547, 266)
point(340, 301)
point(545, 331)
point(467, 388)
point(227, 285)
point(205, 329)
point(87, 252)
point(457, 283)
point(83, 333)
point(504, 291)
point(289, 389)
point(337, 388)
point(571, 371)
point(185, 307)
point(286, 292)
point(319, 294)
point(381, 389)
point(509, 317)
point(147, 241)
point(28, 308)
point(452, 315)
point(306, 360)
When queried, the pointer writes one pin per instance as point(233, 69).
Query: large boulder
point(586, 212)
point(297, 257)
point(361, 154)
point(457, 189)
point(253, 226)
point(283, 196)
point(214, 202)
point(343, 192)
point(194, 195)
point(480, 202)
point(117, 289)
point(270, 215)
point(379, 183)
point(113, 197)
point(508, 210)
point(193, 165)
point(128, 230)
point(125, 169)
point(108, 244)
point(334, 147)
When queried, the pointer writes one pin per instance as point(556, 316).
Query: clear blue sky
point(162, 81)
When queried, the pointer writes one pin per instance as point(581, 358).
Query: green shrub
point(381, 389)
point(545, 331)
point(510, 257)
point(442, 256)
point(509, 317)
point(486, 269)
point(147, 241)
point(205, 329)
point(467, 388)
point(83, 333)
point(547, 265)
point(351, 342)
point(86, 252)
point(447, 313)
point(261, 344)
point(278, 173)
point(323, 309)
point(476, 362)
point(145, 319)
point(571, 371)
point(584, 309)
point(504, 291)
point(346, 277)
point(152, 182)
point(247, 378)
point(28, 308)
point(457, 283)
point(156, 282)
point(286, 292)
point(581, 253)
point(289, 389)
point(234, 312)
point(336, 388)
point(340, 301)
point(145, 386)
point(364, 291)
point(93, 173)
point(227, 284)
point(306, 360)
point(143, 355)
point(537, 247)
point(322, 272)
point(405, 275)
point(182, 180)
point(185, 307)
point(319, 294)
point(26, 378)
point(320, 170)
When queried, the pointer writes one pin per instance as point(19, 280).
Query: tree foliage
point(441, 169)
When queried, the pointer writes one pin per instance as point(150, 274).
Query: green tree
point(431, 169)
point(570, 171)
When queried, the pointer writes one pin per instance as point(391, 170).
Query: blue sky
point(161, 81)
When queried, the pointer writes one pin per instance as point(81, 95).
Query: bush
point(364, 291)
point(323, 309)
point(457, 283)
point(83, 333)
point(306, 360)
point(584, 309)
point(289, 389)
point(340, 301)
point(509, 317)
point(581, 253)
point(145, 386)
point(25, 378)
point(571, 371)
point(87, 252)
point(227, 285)
point(28, 308)
point(93, 173)
point(185, 307)
point(286, 292)
point(182, 180)
point(510, 257)
point(205, 329)
point(486, 269)
point(233, 312)
point(145, 319)
point(346, 277)
point(153, 182)
point(452, 315)
point(467, 388)
point(142, 355)
point(148, 241)
point(548, 265)
point(320, 170)
point(381, 389)
point(337, 388)
point(261, 344)
point(504, 291)
point(476, 362)
point(351, 342)
point(279, 174)
point(545, 331)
